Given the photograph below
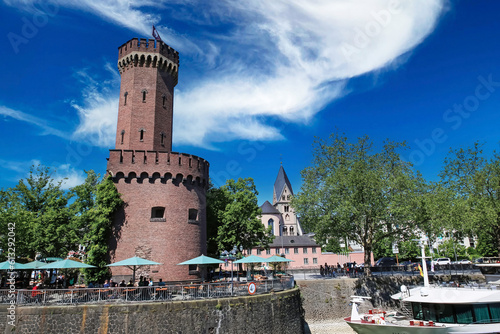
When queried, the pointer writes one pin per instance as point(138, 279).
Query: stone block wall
point(273, 313)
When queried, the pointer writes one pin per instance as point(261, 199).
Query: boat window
point(495, 312)
point(464, 314)
point(429, 312)
point(482, 314)
point(417, 311)
point(445, 313)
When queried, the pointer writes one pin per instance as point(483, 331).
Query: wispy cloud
point(47, 129)
point(282, 59)
point(99, 108)
point(67, 175)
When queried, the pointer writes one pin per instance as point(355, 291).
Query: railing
point(142, 294)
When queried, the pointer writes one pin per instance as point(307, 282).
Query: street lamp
point(231, 256)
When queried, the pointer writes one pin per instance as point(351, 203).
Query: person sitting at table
point(130, 283)
point(91, 285)
point(106, 284)
point(161, 283)
point(151, 283)
point(122, 284)
point(112, 284)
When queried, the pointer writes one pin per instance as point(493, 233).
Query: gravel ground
point(328, 327)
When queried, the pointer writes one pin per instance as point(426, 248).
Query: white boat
point(435, 309)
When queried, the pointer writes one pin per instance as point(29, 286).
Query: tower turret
point(148, 70)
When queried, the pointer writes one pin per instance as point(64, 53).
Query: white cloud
point(67, 175)
point(99, 109)
point(282, 59)
point(41, 123)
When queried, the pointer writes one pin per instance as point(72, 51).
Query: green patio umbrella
point(66, 264)
point(276, 258)
point(202, 260)
point(132, 263)
point(6, 265)
point(34, 265)
point(251, 259)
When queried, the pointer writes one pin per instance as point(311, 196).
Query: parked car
point(441, 261)
point(385, 262)
point(463, 261)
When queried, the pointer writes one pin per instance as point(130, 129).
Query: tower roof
point(281, 181)
point(269, 208)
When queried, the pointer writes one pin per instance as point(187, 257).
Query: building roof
point(279, 184)
point(269, 208)
point(293, 241)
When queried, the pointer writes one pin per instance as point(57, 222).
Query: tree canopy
point(52, 222)
point(233, 217)
point(353, 192)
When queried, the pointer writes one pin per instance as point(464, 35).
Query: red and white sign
point(252, 288)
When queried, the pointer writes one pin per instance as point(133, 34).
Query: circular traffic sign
point(252, 288)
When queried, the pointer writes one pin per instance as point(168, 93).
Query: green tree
point(96, 206)
point(352, 192)
point(232, 212)
point(40, 209)
point(474, 187)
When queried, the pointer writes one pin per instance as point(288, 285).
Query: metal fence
point(142, 294)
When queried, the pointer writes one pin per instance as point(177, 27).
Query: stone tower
point(164, 216)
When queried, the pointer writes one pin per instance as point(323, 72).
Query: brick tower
point(164, 218)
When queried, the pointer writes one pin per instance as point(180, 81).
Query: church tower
point(164, 216)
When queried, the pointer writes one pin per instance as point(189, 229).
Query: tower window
point(193, 215)
point(125, 98)
point(287, 217)
point(287, 208)
point(141, 134)
point(164, 101)
point(162, 139)
point(291, 230)
point(122, 134)
point(144, 92)
point(157, 214)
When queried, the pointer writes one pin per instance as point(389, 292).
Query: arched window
point(285, 230)
point(270, 223)
point(291, 230)
point(287, 217)
point(125, 98)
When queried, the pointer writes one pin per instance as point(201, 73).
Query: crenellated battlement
point(148, 53)
point(155, 165)
point(148, 46)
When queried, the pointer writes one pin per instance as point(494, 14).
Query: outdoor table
point(189, 290)
point(162, 293)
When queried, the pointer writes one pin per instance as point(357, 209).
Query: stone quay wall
point(279, 312)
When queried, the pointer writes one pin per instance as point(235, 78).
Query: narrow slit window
point(144, 92)
point(141, 134)
point(164, 101)
point(125, 98)
point(122, 135)
point(162, 140)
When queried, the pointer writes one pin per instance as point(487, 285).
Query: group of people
point(348, 269)
point(143, 281)
point(328, 271)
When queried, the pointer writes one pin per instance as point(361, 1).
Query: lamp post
point(230, 256)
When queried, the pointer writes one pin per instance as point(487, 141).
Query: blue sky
point(258, 80)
